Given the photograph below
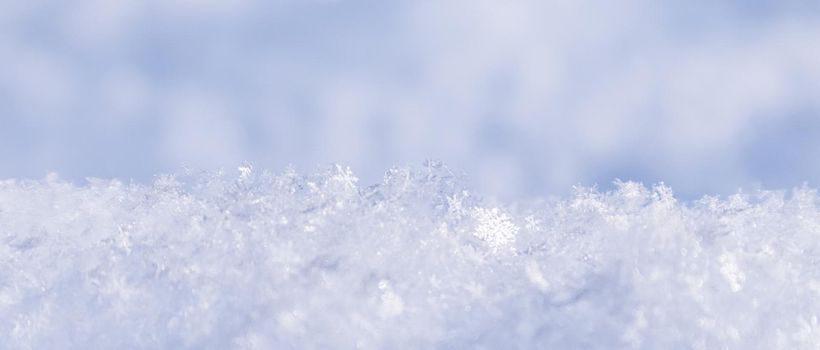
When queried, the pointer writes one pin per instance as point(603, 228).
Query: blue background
point(527, 97)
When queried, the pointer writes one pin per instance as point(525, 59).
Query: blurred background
point(526, 97)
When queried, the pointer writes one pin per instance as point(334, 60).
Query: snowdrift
point(257, 260)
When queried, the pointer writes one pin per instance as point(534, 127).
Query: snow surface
point(263, 261)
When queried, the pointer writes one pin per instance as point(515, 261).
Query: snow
point(255, 260)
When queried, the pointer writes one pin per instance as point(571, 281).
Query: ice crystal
point(495, 228)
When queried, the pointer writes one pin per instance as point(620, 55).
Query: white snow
point(254, 260)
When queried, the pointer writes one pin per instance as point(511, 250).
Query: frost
point(255, 260)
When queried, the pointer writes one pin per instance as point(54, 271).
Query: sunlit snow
point(254, 260)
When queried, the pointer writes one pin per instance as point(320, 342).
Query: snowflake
point(245, 170)
point(495, 228)
point(455, 204)
point(533, 224)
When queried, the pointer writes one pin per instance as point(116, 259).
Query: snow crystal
point(494, 228)
point(257, 260)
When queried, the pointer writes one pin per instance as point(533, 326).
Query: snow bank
point(262, 261)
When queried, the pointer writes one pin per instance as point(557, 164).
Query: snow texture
point(256, 260)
